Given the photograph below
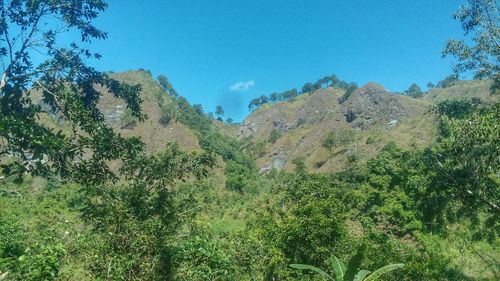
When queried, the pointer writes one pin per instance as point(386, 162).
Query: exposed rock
point(246, 130)
point(392, 123)
point(280, 125)
point(288, 116)
point(370, 104)
point(278, 162)
point(350, 116)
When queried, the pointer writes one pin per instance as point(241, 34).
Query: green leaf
point(310, 267)
point(361, 275)
point(377, 273)
point(339, 268)
point(355, 263)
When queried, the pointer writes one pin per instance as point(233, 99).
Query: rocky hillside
point(370, 118)
point(153, 131)
point(366, 121)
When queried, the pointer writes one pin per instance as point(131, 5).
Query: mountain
point(362, 125)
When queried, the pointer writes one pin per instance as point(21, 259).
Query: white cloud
point(242, 86)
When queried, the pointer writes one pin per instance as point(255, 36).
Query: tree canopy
point(479, 52)
point(414, 91)
point(65, 84)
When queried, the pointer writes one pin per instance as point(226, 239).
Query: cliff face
point(370, 117)
point(372, 105)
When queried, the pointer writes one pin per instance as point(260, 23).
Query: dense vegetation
point(421, 208)
point(85, 203)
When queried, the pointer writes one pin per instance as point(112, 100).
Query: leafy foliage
point(479, 20)
point(66, 85)
point(135, 223)
point(274, 136)
point(414, 91)
point(457, 109)
point(174, 215)
point(201, 257)
point(341, 275)
point(448, 81)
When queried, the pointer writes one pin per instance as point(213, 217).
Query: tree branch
point(26, 41)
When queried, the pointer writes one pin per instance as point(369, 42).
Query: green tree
point(274, 136)
point(480, 21)
point(340, 138)
point(307, 88)
point(66, 85)
point(467, 160)
point(414, 91)
point(329, 142)
point(135, 224)
point(300, 165)
point(198, 108)
point(448, 81)
point(263, 100)
point(219, 111)
point(254, 104)
point(169, 112)
point(166, 85)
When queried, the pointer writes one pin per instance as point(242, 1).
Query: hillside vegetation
point(371, 117)
point(116, 176)
point(393, 200)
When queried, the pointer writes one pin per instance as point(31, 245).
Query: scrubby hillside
point(156, 130)
point(463, 90)
point(357, 127)
point(371, 115)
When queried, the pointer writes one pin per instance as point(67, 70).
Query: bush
point(274, 136)
point(203, 257)
point(41, 262)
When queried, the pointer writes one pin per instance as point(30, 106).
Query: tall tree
point(219, 111)
point(307, 88)
point(263, 99)
point(349, 89)
point(66, 85)
point(480, 20)
point(254, 104)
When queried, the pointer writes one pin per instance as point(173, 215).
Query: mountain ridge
point(373, 115)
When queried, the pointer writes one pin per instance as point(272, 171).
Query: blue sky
point(228, 52)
